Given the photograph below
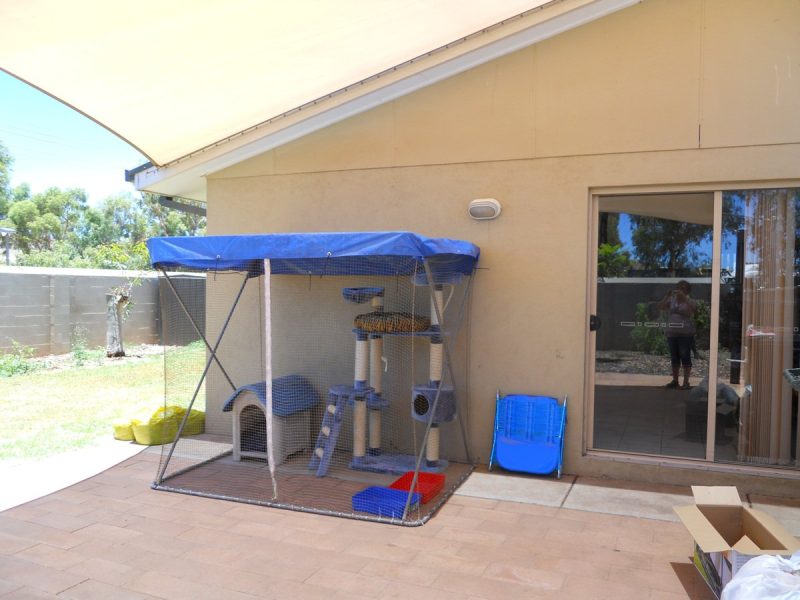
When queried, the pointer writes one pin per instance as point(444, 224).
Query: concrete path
point(27, 480)
point(645, 501)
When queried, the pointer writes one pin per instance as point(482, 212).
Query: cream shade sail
point(172, 78)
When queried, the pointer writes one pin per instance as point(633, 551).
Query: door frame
point(718, 189)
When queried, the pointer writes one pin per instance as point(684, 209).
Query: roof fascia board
point(185, 177)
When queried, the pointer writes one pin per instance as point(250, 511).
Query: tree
point(46, 218)
point(6, 194)
point(612, 261)
point(118, 299)
point(663, 244)
point(165, 221)
point(117, 218)
point(609, 228)
point(58, 228)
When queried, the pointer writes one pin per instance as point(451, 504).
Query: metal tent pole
point(423, 446)
point(194, 325)
point(211, 358)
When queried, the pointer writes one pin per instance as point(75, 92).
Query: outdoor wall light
point(484, 209)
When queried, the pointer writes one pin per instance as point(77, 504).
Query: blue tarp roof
point(360, 253)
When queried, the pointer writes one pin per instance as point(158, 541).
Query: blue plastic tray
point(384, 502)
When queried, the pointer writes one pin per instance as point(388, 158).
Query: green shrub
point(702, 323)
point(650, 340)
point(17, 362)
point(80, 353)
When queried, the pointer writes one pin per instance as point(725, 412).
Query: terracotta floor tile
point(6, 587)
point(253, 514)
point(257, 529)
point(496, 515)
point(588, 588)
point(567, 566)
point(399, 572)
point(410, 590)
point(40, 533)
point(474, 502)
point(161, 527)
point(27, 593)
point(577, 538)
point(109, 533)
point(285, 590)
point(447, 563)
point(409, 538)
point(112, 537)
point(659, 595)
point(530, 509)
point(30, 574)
point(98, 548)
point(644, 577)
point(377, 550)
point(166, 586)
point(485, 587)
point(49, 556)
point(522, 527)
point(298, 571)
point(484, 538)
point(97, 590)
point(519, 572)
point(337, 581)
point(10, 544)
point(107, 571)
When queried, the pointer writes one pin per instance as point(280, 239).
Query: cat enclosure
point(329, 367)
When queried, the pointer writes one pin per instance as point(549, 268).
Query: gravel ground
point(624, 361)
point(96, 357)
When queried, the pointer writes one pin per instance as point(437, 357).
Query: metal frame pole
point(211, 358)
point(194, 324)
point(439, 318)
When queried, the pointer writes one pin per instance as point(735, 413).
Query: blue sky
point(53, 145)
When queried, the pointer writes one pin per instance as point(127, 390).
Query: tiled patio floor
point(112, 537)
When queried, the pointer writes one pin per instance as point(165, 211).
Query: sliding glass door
point(652, 341)
point(653, 302)
point(758, 328)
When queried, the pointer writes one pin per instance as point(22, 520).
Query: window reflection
point(653, 297)
point(759, 327)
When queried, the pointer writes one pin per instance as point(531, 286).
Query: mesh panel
point(366, 388)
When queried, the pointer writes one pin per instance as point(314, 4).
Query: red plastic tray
point(428, 484)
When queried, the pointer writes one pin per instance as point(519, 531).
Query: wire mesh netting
point(363, 374)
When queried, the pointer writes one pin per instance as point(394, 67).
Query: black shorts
point(680, 350)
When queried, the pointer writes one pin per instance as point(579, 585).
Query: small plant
point(702, 323)
point(17, 362)
point(650, 340)
point(80, 352)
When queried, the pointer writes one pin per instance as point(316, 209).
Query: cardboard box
point(727, 534)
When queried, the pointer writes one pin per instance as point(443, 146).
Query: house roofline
point(185, 177)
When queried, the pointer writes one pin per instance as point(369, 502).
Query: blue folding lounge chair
point(529, 434)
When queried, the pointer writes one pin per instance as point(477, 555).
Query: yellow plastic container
point(163, 426)
point(123, 431)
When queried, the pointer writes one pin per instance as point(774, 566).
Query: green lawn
point(50, 411)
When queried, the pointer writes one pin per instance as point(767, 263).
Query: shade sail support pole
point(268, 374)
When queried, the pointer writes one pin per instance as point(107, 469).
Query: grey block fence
point(43, 308)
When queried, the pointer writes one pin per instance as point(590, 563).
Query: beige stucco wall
point(665, 93)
